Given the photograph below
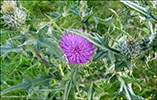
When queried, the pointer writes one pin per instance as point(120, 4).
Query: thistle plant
point(13, 16)
point(77, 49)
point(47, 61)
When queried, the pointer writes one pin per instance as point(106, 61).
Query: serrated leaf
point(23, 86)
point(135, 7)
point(126, 89)
point(110, 55)
point(93, 40)
point(28, 83)
point(138, 8)
point(98, 36)
point(30, 41)
point(100, 55)
point(105, 40)
point(120, 65)
point(57, 36)
point(69, 93)
point(86, 18)
point(53, 47)
point(128, 63)
point(43, 31)
point(8, 50)
point(49, 43)
point(11, 47)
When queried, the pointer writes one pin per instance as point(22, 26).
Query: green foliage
point(126, 88)
point(34, 65)
point(30, 83)
point(144, 11)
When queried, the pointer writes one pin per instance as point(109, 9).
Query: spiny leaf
point(98, 36)
point(126, 89)
point(120, 65)
point(28, 83)
point(11, 47)
point(49, 43)
point(53, 47)
point(128, 63)
point(23, 86)
point(100, 55)
point(103, 53)
point(138, 8)
point(93, 40)
point(110, 55)
point(43, 31)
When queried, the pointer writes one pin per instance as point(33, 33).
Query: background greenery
point(14, 65)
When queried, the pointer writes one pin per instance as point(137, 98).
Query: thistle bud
point(8, 7)
point(13, 16)
point(130, 49)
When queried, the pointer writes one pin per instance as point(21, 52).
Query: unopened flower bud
point(8, 7)
point(13, 16)
point(130, 49)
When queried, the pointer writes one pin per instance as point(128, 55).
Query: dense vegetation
point(33, 65)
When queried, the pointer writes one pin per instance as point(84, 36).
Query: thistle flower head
point(13, 16)
point(8, 7)
point(77, 49)
point(130, 49)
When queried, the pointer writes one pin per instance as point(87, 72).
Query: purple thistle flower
point(77, 49)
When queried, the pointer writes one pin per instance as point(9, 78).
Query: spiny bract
point(13, 16)
point(130, 49)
